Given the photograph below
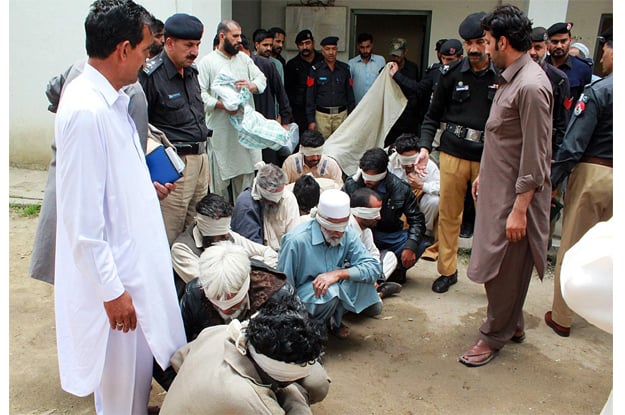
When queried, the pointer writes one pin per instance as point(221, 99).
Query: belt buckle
point(334, 110)
point(459, 131)
point(201, 147)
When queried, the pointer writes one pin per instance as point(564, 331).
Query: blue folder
point(161, 168)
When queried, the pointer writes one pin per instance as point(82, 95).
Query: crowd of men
point(224, 284)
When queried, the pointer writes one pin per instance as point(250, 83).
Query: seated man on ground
point(328, 265)
point(365, 214)
point(262, 366)
point(310, 159)
point(212, 224)
point(266, 211)
point(397, 200)
point(307, 192)
point(426, 189)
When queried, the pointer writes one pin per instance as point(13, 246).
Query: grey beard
point(329, 239)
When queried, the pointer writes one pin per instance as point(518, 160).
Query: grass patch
point(27, 210)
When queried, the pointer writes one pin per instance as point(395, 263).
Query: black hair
point(261, 34)
point(157, 26)
point(275, 30)
point(311, 138)
point(216, 40)
point(283, 330)
point(245, 43)
point(214, 206)
point(362, 196)
point(110, 22)
point(374, 159)
point(307, 192)
point(439, 43)
point(363, 37)
point(511, 22)
point(406, 142)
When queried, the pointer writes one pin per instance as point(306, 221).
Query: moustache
point(478, 54)
point(191, 57)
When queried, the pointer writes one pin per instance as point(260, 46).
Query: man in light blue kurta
point(328, 265)
point(364, 67)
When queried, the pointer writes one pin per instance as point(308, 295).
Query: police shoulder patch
point(152, 65)
point(579, 107)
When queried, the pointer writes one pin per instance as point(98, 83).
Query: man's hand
point(393, 69)
point(312, 126)
point(162, 191)
point(422, 162)
point(408, 258)
point(414, 181)
point(474, 188)
point(516, 225)
point(220, 106)
point(325, 280)
point(242, 83)
point(121, 313)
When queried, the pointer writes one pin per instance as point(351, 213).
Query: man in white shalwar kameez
point(115, 302)
point(231, 164)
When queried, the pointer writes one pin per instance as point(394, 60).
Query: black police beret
point(184, 26)
point(539, 34)
point(451, 47)
point(303, 35)
point(330, 40)
point(471, 26)
point(558, 28)
point(606, 36)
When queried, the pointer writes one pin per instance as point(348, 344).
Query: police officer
point(586, 153)
point(296, 73)
point(559, 85)
point(329, 94)
point(172, 89)
point(578, 70)
point(460, 106)
point(561, 94)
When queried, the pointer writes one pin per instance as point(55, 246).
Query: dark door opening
point(384, 25)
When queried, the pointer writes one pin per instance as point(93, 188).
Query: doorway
point(384, 25)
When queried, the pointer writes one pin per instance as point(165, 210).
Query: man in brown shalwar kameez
point(513, 190)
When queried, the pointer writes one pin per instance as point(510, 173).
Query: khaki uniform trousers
point(179, 207)
point(455, 173)
point(587, 201)
point(328, 123)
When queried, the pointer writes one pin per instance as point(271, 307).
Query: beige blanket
point(369, 123)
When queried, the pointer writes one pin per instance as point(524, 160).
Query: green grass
point(27, 210)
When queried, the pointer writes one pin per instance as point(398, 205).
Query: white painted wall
point(45, 37)
point(547, 12)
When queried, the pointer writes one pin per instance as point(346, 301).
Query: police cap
point(398, 45)
point(539, 34)
point(451, 47)
point(471, 26)
point(184, 26)
point(303, 35)
point(559, 28)
point(330, 40)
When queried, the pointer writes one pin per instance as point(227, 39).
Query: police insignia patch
point(580, 107)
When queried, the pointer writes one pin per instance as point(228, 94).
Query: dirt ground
point(404, 362)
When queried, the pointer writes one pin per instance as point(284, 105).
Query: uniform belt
point(331, 110)
point(597, 160)
point(464, 132)
point(184, 148)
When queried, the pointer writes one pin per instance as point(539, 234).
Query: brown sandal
point(478, 355)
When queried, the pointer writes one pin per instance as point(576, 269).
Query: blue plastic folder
point(161, 168)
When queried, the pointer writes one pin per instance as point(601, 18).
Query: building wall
point(585, 16)
point(45, 38)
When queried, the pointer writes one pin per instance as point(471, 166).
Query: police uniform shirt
point(579, 73)
point(589, 133)
point(561, 103)
point(329, 88)
point(174, 102)
point(295, 75)
point(462, 97)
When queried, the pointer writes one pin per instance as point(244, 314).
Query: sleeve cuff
point(526, 183)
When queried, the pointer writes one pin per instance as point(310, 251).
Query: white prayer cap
point(333, 204)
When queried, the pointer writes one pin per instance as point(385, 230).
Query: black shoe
point(398, 276)
point(386, 289)
point(466, 232)
point(442, 283)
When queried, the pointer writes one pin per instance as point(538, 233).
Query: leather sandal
point(478, 355)
point(342, 331)
point(558, 329)
point(519, 337)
